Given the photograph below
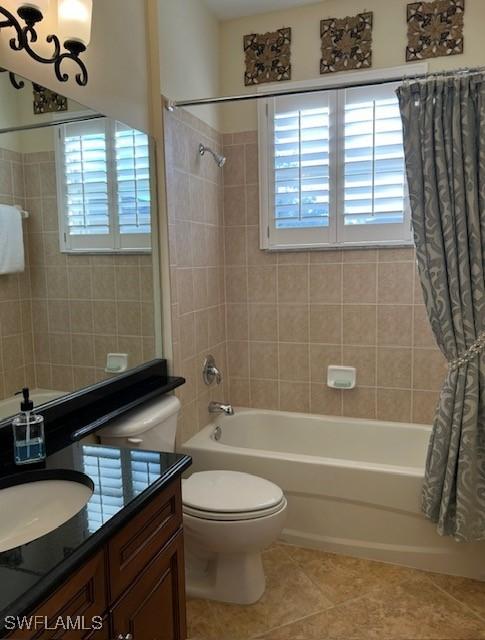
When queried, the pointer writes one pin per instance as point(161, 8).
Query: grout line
point(460, 602)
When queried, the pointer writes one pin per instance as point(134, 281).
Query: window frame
point(113, 242)
point(331, 237)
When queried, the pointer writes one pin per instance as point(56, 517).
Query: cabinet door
point(75, 603)
point(154, 607)
point(135, 546)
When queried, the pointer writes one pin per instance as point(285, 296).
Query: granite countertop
point(124, 481)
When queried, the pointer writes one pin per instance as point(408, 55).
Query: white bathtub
point(353, 486)
point(11, 406)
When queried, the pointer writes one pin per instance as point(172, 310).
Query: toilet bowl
point(229, 517)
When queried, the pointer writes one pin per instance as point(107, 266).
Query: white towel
point(11, 240)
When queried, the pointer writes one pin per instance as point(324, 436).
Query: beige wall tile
point(293, 283)
point(321, 357)
point(294, 362)
point(325, 401)
point(394, 405)
point(424, 406)
point(326, 283)
point(359, 325)
point(430, 369)
point(394, 368)
point(326, 323)
point(237, 321)
point(293, 323)
point(262, 284)
point(394, 325)
point(360, 403)
point(264, 393)
point(364, 360)
point(263, 322)
point(359, 283)
point(263, 360)
point(295, 396)
point(395, 282)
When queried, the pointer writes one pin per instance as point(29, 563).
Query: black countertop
point(124, 480)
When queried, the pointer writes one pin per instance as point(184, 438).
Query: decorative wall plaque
point(268, 57)
point(47, 101)
point(346, 43)
point(435, 29)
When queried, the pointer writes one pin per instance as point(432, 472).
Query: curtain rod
point(171, 105)
point(54, 123)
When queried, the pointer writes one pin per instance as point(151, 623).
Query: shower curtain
point(444, 140)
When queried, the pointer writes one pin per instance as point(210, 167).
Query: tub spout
point(218, 407)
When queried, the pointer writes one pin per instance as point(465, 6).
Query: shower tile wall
point(60, 318)
point(196, 240)
point(83, 306)
point(290, 314)
point(15, 305)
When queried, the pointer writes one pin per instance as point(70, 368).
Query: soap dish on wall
point(341, 377)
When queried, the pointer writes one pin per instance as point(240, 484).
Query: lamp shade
point(74, 20)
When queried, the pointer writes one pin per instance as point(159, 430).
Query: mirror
point(77, 274)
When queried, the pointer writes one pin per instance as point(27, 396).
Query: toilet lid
point(229, 492)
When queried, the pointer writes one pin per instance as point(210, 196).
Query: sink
point(34, 503)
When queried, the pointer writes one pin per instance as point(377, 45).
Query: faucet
point(218, 407)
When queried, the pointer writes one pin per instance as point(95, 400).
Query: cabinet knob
point(128, 636)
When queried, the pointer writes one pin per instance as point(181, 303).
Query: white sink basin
point(37, 502)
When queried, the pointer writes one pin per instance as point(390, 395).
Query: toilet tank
point(151, 426)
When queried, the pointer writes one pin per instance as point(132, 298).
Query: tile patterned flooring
point(312, 595)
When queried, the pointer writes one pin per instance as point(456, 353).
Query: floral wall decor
point(346, 43)
point(435, 29)
point(268, 57)
point(47, 101)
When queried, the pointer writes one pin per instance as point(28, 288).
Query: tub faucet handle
point(210, 371)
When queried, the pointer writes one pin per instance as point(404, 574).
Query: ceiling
point(228, 9)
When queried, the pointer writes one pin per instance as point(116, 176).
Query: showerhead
point(219, 159)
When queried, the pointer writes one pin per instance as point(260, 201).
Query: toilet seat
point(230, 496)
point(236, 515)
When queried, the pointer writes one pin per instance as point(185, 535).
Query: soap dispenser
point(28, 433)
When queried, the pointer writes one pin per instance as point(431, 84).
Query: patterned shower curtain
point(444, 140)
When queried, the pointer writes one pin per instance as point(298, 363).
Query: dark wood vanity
point(135, 581)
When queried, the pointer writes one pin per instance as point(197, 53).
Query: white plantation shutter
point(103, 170)
point(300, 151)
point(133, 185)
point(82, 160)
point(103, 466)
point(372, 195)
point(332, 169)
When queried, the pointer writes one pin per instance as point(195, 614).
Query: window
point(332, 169)
point(103, 180)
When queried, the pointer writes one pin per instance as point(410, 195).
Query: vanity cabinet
point(135, 582)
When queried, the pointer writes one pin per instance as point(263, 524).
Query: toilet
point(229, 517)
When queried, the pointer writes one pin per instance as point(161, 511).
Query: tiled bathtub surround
point(290, 314)
point(61, 317)
point(194, 191)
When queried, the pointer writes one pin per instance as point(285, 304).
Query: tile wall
point(196, 239)
point(290, 314)
point(83, 307)
point(60, 319)
point(16, 351)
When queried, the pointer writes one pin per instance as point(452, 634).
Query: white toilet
point(229, 517)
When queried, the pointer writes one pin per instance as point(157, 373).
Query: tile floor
point(313, 595)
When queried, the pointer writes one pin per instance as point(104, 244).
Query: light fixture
point(74, 24)
point(74, 18)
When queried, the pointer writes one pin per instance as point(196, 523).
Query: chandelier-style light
point(70, 41)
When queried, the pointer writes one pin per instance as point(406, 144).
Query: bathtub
point(353, 486)
point(11, 406)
